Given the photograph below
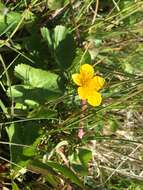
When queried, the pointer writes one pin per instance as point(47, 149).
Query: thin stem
point(82, 122)
point(95, 12)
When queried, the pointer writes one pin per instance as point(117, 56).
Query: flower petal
point(96, 83)
point(83, 93)
point(87, 71)
point(81, 133)
point(77, 79)
point(94, 99)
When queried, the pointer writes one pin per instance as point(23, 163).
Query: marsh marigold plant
point(89, 85)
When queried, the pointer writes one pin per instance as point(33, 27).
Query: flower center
point(85, 80)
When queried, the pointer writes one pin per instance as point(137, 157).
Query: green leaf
point(62, 43)
point(47, 36)
point(85, 156)
point(46, 171)
point(60, 33)
point(37, 78)
point(64, 46)
point(56, 4)
point(80, 169)
point(2, 7)
point(32, 96)
point(79, 161)
point(64, 170)
point(8, 20)
point(14, 186)
point(25, 136)
point(42, 113)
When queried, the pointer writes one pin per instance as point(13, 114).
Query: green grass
point(42, 43)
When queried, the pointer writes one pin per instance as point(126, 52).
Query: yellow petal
point(96, 83)
point(94, 98)
point(77, 79)
point(87, 71)
point(83, 93)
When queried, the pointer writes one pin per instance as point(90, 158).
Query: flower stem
point(81, 129)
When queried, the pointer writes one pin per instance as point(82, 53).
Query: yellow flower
point(89, 85)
